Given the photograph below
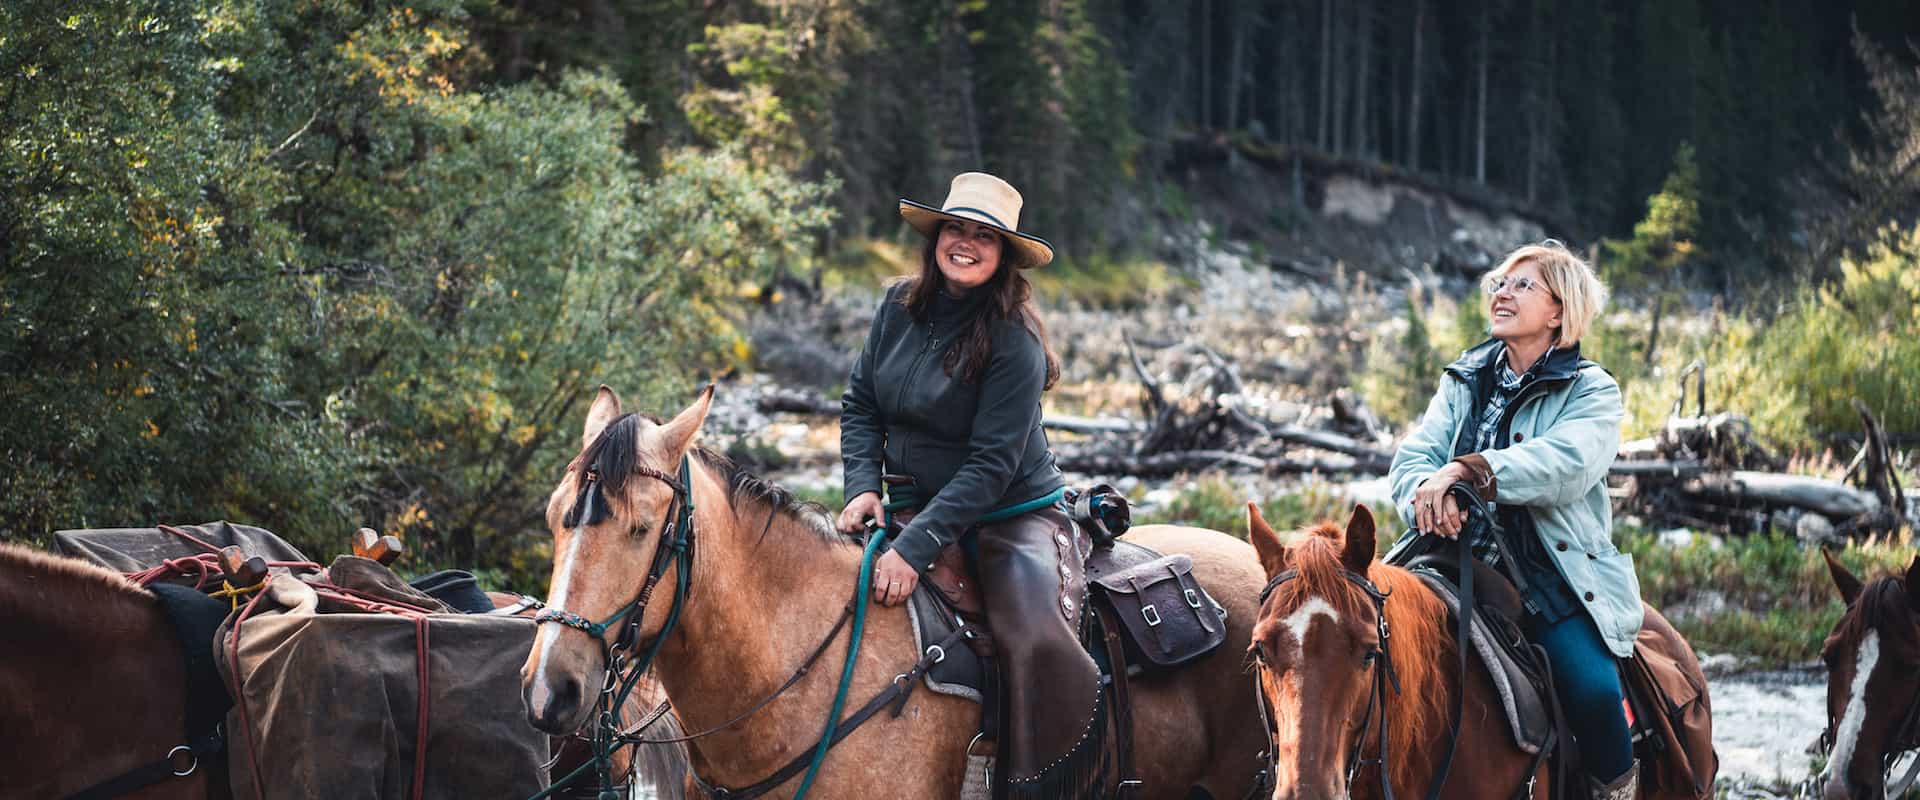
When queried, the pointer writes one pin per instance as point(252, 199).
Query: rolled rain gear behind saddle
point(1044, 651)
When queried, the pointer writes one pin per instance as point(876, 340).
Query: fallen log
point(1101, 462)
point(1077, 424)
point(1681, 468)
point(1831, 498)
point(791, 401)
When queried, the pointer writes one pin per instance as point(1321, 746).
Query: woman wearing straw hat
point(947, 392)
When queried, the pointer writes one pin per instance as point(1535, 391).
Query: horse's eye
point(1372, 655)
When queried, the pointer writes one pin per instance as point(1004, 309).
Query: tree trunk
point(1342, 78)
point(1237, 61)
point(1396, 97)
point(1326, 75)
point(1481, 56)
point(1536, 105)
point(1415, 86)
point(1206, 64)
point(1362, 90)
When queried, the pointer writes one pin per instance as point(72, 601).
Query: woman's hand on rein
point(862, 507)
point(893, 579)
point(1435, 511)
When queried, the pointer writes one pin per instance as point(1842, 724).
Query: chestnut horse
point(768, 580)
point(95, 684)
point(1319, 651)
point(1873, 682)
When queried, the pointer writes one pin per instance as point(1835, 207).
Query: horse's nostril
point(563, 699)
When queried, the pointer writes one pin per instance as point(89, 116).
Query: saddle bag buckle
point(1193, 598)
point(1150, 614)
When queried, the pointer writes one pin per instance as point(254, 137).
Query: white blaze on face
point(543, 638)
point(1296, 625)
point(1847, 734)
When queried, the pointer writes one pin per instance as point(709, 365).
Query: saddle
point(1164, 618)
point(1518, 671)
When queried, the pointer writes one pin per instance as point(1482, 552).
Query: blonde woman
point(1531, 428)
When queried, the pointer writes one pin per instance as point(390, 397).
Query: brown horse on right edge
point(1873, 682)
point(1318, 650)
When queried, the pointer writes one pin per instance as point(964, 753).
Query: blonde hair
point(1572, 282)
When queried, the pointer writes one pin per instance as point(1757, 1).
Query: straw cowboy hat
point(979, 197)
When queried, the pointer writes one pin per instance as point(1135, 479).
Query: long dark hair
point(1009, 297)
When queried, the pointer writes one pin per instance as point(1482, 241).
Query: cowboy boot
point(1625, 787)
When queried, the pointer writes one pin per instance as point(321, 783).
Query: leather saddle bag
point(1167, 619)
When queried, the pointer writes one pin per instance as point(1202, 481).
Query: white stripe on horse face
point(544, 639)
point(1847, 734)
point(1297, 624)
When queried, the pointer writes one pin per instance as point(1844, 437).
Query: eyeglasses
point(1519, 286)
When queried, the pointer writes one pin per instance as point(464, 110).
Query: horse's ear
point(1358, 554)
point(1913, 581)
point(677, 435)
point(606, 408)
point(1266, 543)
point(1849, 585)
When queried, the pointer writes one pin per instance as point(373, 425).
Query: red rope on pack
point(422, 665)
point(200, 567)
point(367, 602)
point(420, 735)
point(240, 698)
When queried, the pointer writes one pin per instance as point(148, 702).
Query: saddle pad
point(195, 617)
point(1526, 711)
point(961, 673)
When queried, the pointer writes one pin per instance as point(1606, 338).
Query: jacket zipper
point(913, 371)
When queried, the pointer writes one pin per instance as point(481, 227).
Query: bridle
point(1382, 665)
point(675, 550)
point(1379, 661)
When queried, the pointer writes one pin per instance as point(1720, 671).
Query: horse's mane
point(42, 590)
point(1422, 650)
point(1883, 600)
point(615, 453)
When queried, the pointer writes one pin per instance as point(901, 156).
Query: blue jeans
point(1588, 682)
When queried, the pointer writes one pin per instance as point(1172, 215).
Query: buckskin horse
point(94, 683)
point(767, 579)
point(1873, 683)
point(1358, 672)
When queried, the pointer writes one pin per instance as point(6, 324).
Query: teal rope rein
point(853, 652)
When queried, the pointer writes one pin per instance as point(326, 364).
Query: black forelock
point(613, 456)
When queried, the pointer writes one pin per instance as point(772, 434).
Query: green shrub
point(1215, 502)
point(1763, 596)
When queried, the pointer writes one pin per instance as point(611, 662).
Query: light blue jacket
point(1566, 432)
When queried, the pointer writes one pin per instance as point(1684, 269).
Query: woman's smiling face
point(968, 253)
point(1523, 307)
